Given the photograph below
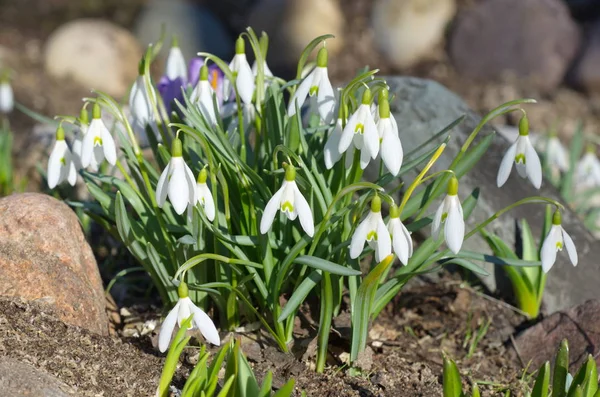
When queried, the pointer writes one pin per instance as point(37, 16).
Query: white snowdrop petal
point(437, 221)
point(245, 81)
point(348, 133)
point(365, 159)
point(161, 189)
point(304, 213)
point(399, 242)
point(87, 148)
point(408, 239)
point(176, 66)
point(271, 210)
point(371, 136)
point(191, 185)
point(7, 100)
point(454, 230)
point(506, 165)
point(534, 167)
point(205, 194)
point(178, 191)
point(72, 171)
point(55, 164)
point(548, 252)
point(391, 151)
point(384, 241)
point(166, 329)
point(205, 325)
point(357, 244)
point(300, 95)
point(331, 151)
point(108, 145)
point(326, 98)
point(570, 246)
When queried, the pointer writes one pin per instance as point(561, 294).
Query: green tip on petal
point(60, 133)
point(590, 148)
point(84, 117)
point(556, 218)
point(394, 211)
point(182, 290)
point(366, 98)
point(322, 58)
point(290, 173)
point(204, 73)
point(240, 46)
point(175, 41)
point(376, 204)
point(177, 148)
point(96, 111)
point(384, 108)
point(202, 176)
point(524, 126)
point(453, 186)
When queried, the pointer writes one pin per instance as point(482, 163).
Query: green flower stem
point(126, 175)
point(324, 321)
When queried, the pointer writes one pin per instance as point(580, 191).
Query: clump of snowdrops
point(249, 197)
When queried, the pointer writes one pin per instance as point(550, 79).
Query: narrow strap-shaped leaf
point(542, 381)
point(286, 390)
point(327, 266)
point(451, 384)
point(561, 370)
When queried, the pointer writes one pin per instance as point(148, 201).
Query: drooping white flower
point(362, 131)
point(76, 148)
point(391, 147)
point(97, 143)
point(556, 154)
point(203, 95)
point(451, 214)
point(587, 173)
point(140, 103)
point(372, 230)
point(60, 163)
point(204, 196)
point(291, 202)
point(316, 83)
point(556, 239)
point(401, 241)
point(242, 72)
point(182, 310)
point(177, 182)
point(331, 152)
point(266, 70)
point(7, 98)
point(524, 156)
point(176, 66)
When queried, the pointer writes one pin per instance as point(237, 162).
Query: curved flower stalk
point(372, 230)
point(182, 310)
point(60, 163)
point(524, 156)
point(204, 196)
point(391, 147)
point(98, 144)
point(556, 239)
point(177, 182)
point(361, 130)
point(291, 202)
point(7, 97)
point(450, 213)
point(316, 83)
point(202, 97)
point(244, 78)
point(587, 173)
point(402, 244)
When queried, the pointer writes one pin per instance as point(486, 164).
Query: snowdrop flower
point(216, 77)
point(83, 122)
point(316, 83)
point(291, 202)
point(331, 151)
point(7, 99)
point(401, 241)
point(555, 240)
point(202, 96)
point(372, 230)
point(391, 147)
point(588, 169)
point(556, 154)
point(526, 160)
point(264, 47)
point(176, 181)
point(451, 214)
point(97, 142)
point(140, 101)
point(242, 72)
point(176, 66)
point(182, 310)
point(362, 131)
point(60, 163)
point(266, 70)
point(204, 196)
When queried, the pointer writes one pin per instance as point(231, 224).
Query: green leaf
point(300, 294)
point(561, 370)
point(286, 390)
point(566, 188)
point(467, 265)
point(586, 379)
point(451, 382)
point(475, 391)
point(177, 345)
point(122, 220)
point(265, 390)
point(542, 382)
point(327, 266)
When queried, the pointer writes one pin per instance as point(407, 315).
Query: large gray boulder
point(423, 108)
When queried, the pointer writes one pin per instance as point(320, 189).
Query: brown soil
point(404, 354)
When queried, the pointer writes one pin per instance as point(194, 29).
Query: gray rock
point(587, 71)
point(196, 27)
point(534, 39)
point(425, 108)
point(18, 379)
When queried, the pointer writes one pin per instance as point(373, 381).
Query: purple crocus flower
point(215, 76)
point(171, 90)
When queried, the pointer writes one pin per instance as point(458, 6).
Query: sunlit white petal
point(271, 210)
point(167, 327)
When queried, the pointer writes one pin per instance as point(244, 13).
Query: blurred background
point(487, 51)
